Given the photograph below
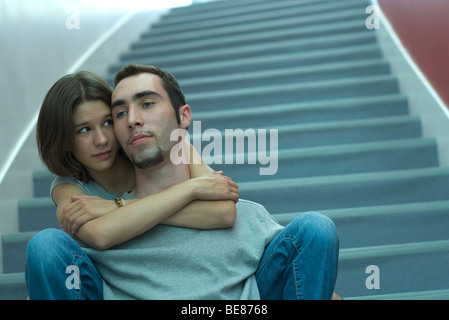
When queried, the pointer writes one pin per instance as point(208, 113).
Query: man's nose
point(134, 117)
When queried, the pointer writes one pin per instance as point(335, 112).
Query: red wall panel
point(423, 27)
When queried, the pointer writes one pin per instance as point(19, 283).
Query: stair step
point(332, 160)
point(350, 190)
point(386, 224)
point(14, 251)
point(301, 74)
point(178, 58)
point(293, 93)
point(312, 134)
point(41, 182)
point(307, 112)
point(147, 49)
point(417, 295)
point(234, 16)
point(158, 36)
point(269, 62)
point(37, 214)
point(400, 267)
point(12, 286)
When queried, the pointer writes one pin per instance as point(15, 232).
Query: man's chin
point(149, 160)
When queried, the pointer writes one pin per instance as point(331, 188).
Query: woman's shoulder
point(90, 187)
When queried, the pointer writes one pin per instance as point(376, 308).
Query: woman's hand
point(82, 209)
point(215, 186)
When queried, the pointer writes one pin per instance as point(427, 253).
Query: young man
point(256, 258)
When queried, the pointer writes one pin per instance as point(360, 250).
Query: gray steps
point(270, 62)
point(293, 92)
point(37, 214)
point(41, 183)
point(238, 16)
point(307, 112)
point(348, 191)
point(159, 36)
point(149, 50)
point(288, 75)
point(12, 286)
point(334, 160)
point(386, 224)
point(256, 50)
point(277, 61)
point(409, 267)
point(321, 134)
point(14, 251)
point(417, 295)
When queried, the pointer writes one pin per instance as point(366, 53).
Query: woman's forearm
point(133, 219)
point(215, 208)
point(200, 214)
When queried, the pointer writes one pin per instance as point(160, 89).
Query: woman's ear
point(185, 115)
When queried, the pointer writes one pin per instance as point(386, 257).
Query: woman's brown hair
point(55, 132)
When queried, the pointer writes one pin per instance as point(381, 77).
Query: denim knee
point(314, 225)
point(45, 245)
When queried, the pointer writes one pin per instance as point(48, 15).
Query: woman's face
point(95, 144)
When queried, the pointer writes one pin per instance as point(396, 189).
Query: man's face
point(143, 119)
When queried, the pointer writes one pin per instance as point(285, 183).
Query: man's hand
point(83, 209)
point(215, 186)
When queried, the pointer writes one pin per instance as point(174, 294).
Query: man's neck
point(160, 177)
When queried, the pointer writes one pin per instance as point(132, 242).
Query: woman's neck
point(119, 178)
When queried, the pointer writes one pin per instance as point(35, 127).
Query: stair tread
point(442, 294)
point(249, 27)
point(394, 250)
point(299, 183)
point(282, 72)
point(148, 48)
point(277, 9)
point(333, 41)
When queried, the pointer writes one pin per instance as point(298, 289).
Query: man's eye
point(108, 123)
point(120, 114)
point(148, 104)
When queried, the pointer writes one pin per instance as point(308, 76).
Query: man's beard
point(150, 158)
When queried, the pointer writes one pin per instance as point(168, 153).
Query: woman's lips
point(103, 155)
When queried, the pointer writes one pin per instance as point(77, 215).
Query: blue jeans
point(301, 261)
point(58, 269)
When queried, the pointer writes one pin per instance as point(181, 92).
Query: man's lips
point(138, 138)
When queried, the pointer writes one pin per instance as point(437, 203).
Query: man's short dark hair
point(169, 83)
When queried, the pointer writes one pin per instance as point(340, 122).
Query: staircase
point(347, 145)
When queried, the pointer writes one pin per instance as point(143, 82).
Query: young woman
point(76, 141)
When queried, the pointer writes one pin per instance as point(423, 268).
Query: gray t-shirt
point(180, 263)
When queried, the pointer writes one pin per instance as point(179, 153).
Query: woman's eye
point(108, 123)
point(84, 130)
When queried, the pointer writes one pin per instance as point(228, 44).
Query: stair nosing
point(394, 250)
point(307, 182)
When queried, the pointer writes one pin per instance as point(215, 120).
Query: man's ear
point(185, 115)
